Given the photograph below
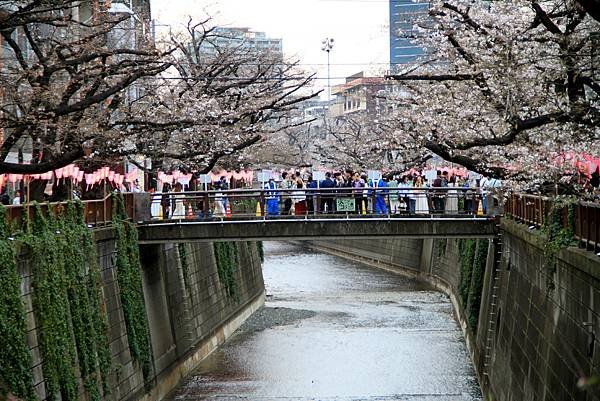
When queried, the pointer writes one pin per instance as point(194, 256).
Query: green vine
point(475, 289)
point(71, 318)
point(558, 236)
point(184, 263)
point(15, 358)
point(185, 268)
point(261, 250)
point(467, 257)
point(441, 247)
point(87, 310)
point(131, 290)
point(46, 246)
point(227, 258)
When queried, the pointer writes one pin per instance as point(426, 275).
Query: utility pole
point(327, 45)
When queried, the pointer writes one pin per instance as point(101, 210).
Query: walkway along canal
point(335, 329)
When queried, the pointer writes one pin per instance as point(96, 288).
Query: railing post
point(104, 209)
point(318, 202)
point(542, 210)
point(206, 205)
point(373, 200)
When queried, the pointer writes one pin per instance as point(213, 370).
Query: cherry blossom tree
point(507, 86)
point(65, 69)
point(87, 86)
point(218, 100)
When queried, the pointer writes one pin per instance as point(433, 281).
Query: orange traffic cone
point(228, 210)
point(258, 210)
point(480, 208)
point(190, 212)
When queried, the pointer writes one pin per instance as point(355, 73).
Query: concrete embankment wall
point(537, 334)
point(190, 311)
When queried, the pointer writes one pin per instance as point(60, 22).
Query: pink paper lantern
point(67, 170)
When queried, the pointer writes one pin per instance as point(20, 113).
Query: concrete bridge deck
point(315, 228)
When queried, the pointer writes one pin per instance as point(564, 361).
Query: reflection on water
point(336, 330)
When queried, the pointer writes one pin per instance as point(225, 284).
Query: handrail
point(535, 210)
point(97, 212)
point(243, 203)
point(258, 203)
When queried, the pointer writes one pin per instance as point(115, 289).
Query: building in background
point(241, 39)
point(357, 94)
point(404, 38)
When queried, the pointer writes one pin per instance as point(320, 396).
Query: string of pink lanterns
point(76, 175)
point(245, 176)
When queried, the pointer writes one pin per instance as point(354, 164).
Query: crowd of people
point(347, 192)
point(393, 194)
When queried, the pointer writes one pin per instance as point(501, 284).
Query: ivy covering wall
point(130, 286)
point(558, 236)
point(467, 255)
point(473, 303)
point(473, 258)
point(261, 250)
point(183, 258)
point(227, 257)
point(69, 313)
point(15, 358)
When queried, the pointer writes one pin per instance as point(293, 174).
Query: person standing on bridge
point(327, 184)
point(299, 199)
point(380, 195)
point(272, 198)
point(410, 197)
point(422, 205)
point(452, 199)
point(286, 185)
point(165, 201)
point(311, 199)
point(359, 201)
point(394, 194)
point(177, 200)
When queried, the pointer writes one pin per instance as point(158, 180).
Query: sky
point(359, 28)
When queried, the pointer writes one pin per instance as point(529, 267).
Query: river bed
point(333, 329)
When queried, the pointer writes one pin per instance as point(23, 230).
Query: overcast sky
point(359, 27)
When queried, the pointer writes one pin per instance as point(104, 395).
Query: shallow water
point(337, 330)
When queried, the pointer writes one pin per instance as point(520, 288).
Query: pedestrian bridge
point(309, 214)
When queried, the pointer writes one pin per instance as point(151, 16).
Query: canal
point(337, 330)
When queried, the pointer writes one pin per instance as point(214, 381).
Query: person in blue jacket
point(380, 195)
point(272, 198)
point(327, 198)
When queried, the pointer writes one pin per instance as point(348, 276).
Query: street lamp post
point(327, 46)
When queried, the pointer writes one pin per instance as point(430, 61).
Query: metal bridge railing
point(311, 203)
